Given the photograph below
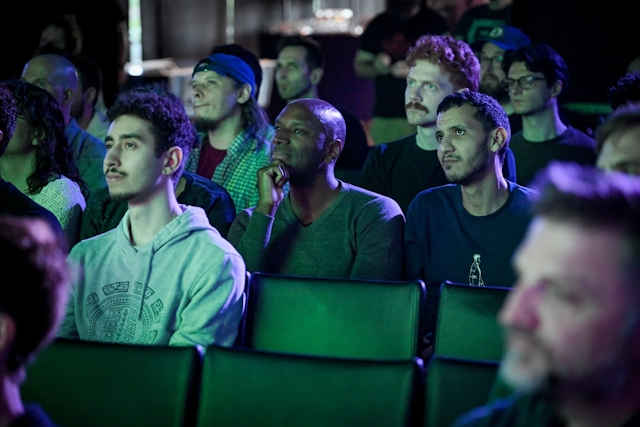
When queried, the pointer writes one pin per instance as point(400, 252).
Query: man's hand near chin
point(271, 182)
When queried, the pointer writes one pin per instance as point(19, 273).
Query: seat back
point(467, 322)
point(454, 387)
point(83, 384)
point(334, 317)
point(242, 387)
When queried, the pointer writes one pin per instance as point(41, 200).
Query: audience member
point(164, 275)
point(479, 21)
point(439, 66)
point(103, 213)
point(322, 227)
point(299, 70)
point(492, 49)
point(61, 35)
point(618, 140)
point(247, 56)
point(58, 76)
point(571, 321)
point(626, 90)
point(12, 201)
point(88, 106)
point(381, 58)
point(466, 232)
point(39, 161)
point(33, 292)
point(227, 113)
point(537, 76)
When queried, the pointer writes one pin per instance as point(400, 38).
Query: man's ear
point(556, 88)
point(7, 331)
point(333, 152)
point(172, 161)
point(68, 96)
point(90, 95)
point(316, 76)
point(498, 139)
point(1, 136)
point(244, 93)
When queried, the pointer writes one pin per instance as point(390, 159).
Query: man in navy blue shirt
point(467, 231)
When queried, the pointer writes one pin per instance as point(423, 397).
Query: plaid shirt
point(238, 172)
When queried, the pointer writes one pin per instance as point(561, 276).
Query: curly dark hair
point(54, 157)
point(489, 113)
point(627, 89)
point(170, 123)
point(8, 116)
point(33, 289)
point(454, 56)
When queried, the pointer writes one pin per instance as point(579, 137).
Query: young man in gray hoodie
point(164, 275)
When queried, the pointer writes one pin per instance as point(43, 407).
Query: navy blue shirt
point(445, 242)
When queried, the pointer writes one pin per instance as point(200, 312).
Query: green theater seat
point(243, 387)
point(454, 387)
point(334, 317)
point(88, 384)
point(467, 322)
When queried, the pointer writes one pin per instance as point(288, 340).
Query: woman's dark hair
point(54, 156)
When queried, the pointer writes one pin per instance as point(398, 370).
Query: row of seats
point(317, 352)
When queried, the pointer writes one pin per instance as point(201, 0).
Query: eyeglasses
point(496, 61)
point(525, 82)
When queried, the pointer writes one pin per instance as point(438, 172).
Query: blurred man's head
point(33, 290)
point(625, 91)
point(300, 68)
point(491, 54)
point(571, 320)
point(618, 140)
point(56, 75)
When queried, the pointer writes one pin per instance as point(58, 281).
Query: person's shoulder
point(434, 197)
point(204, 238)
point(395, 148)
point(522, 190)
point(196, 184)
point(66, 187)
point(359, 196)
point(513, 411)
point(98, 243)
point(578, 138)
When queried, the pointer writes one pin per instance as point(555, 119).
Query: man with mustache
point(439, 66)
point(491, 53)
point(164, 275)
point(322, 227)
point(466, 232)
point(571, 322)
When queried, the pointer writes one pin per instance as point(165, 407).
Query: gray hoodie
point(191, 278)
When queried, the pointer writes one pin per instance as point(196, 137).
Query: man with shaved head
point(322, 227)
point(58, 76)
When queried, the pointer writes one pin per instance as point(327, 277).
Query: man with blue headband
point(231, 125)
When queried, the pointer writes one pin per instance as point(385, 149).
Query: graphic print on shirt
point(475, 273)
point(117, 315)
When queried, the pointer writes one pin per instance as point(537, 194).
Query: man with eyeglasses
point(536, 77)
point(490, 50)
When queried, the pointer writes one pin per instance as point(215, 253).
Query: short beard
point(204, 124)
point(479, 168)
point(497, 92)
point(123, 197)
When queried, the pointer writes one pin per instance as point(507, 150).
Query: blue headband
point(228, 66)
